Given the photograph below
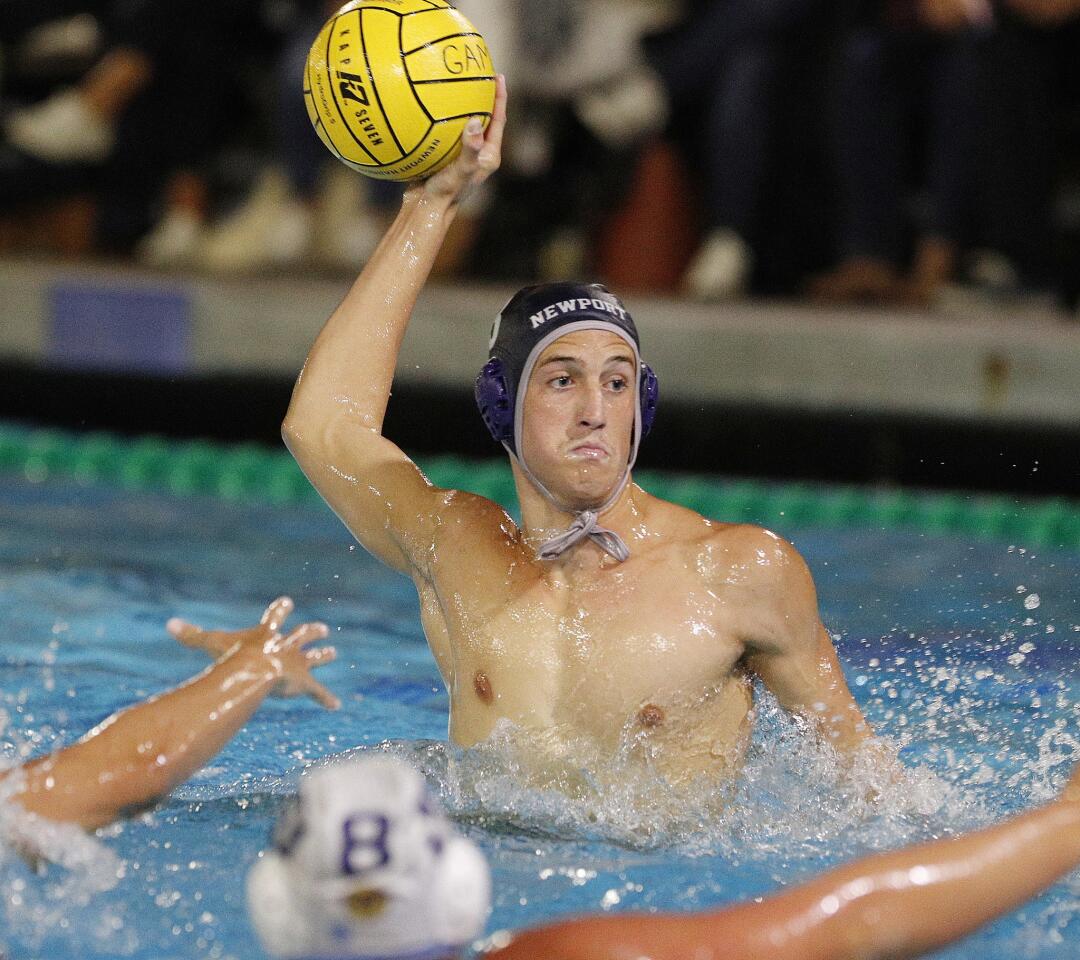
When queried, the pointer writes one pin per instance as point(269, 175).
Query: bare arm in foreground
point(135, 757)
point(334, 424)
point(893, 905)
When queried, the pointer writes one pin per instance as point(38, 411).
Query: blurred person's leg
point(306, 207)
point(725, 58)
point(187, 109)
point(734, 160)
point(77, 125)
point(952, 164)
point(273, 225)
point(1067, 203)
point(1018, 152)
point(871, 157)
point(686, 56)
point(46, 208)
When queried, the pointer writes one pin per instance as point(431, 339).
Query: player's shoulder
point(744, 538)
point(466, 521)
point(759, 553)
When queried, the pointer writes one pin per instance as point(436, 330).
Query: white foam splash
point(794, 794)
point(51, 873)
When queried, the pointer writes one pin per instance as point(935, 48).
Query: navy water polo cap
point(531, 320)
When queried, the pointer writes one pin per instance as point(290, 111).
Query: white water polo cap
point(365, 865)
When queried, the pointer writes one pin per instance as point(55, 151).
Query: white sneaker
point(993, 271)
point(174, 242)
point(61, 129)
point(626, 109)
point(346, 232)
point(720, 269)
point(272, 229)
point(78, 38)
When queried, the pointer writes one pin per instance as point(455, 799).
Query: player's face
point(579, 416)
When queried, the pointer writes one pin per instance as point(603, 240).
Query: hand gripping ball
point(390, 85)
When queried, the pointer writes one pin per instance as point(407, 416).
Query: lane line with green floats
point(250, 471)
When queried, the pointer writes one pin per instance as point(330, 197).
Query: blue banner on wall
point(116, 328)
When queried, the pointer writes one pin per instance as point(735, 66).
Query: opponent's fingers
point(320, 694)
point(305, 633)
point(186, 633)
point(320, 655)
point(276, 614)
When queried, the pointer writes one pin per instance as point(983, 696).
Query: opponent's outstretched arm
point(894, 905)
point(334, 424)
point(131, 760)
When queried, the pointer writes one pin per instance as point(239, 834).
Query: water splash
point(795, 795)
point(51, 874)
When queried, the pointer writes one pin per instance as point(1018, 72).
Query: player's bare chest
point(631, 628)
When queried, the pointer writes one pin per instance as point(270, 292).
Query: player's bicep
point(378, 492)
point(806, 677)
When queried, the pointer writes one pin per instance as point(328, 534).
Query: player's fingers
point(275, 614)
point(498, 114)
point(472, 139)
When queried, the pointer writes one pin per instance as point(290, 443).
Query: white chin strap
point(584, 525)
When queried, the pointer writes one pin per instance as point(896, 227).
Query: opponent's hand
point(285, 655)
point(480, 156)
point(217, 643)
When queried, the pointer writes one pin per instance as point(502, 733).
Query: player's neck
point(541, 520)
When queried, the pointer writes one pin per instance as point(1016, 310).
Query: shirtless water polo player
point(607, 614)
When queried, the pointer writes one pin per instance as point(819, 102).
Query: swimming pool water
point(961, 652)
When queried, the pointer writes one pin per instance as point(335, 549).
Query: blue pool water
point(962, 653)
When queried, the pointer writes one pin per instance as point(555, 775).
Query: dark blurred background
point(848, 177)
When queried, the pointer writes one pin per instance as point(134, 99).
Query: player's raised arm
point(334, 424)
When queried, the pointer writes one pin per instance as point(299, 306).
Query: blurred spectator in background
point(585, 102)
point(658, 144)
point(304, 207)
point(1030, 87)
point(905, 62)
point(722, 69)
point(165, 92)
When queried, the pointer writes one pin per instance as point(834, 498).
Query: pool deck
point(969, 362)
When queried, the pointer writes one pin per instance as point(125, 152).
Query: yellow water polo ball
point(390, 85)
